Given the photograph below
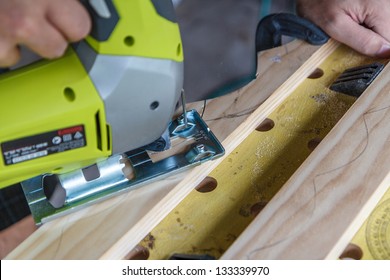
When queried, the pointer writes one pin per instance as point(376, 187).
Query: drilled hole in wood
point(207, 185)
point(317, 73)
point(138, 253)
point(257, 207)
point(266, 125)
point(352, 252)
point(313, 143)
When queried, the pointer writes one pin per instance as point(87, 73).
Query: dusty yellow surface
point(209, 222)
point(372, 241)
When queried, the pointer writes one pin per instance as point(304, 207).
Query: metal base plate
point(202, 146)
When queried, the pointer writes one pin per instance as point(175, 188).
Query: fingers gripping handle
point(104, 18)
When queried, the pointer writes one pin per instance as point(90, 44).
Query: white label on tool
point(44, 144)
point(28, 157)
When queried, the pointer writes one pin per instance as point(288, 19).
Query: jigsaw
point(86, 126)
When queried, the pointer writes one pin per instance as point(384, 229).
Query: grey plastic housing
point(139, 94)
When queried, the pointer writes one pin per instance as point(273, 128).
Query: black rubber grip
point(272, 27)
point(102, 27)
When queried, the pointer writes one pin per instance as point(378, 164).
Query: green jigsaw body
point(52, 117)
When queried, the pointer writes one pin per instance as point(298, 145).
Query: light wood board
point(321, 207)
point(172, 199)
point(89, 233)
point(209, 220)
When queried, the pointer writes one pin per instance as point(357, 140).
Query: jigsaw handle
point(125, 77)
point(104, 18)
point(136, 28)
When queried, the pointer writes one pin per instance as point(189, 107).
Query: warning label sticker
point(44, 144)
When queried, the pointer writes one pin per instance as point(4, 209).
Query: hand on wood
point(360, 24)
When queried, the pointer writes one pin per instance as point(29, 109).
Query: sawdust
point(245, 210)
point(149, 241)
point(264, 150)
point(230, 237)
point(265, 147)
point(184, 226)
point(336, 106)
point(256, 170)
point(351, 60)
point(321, 98)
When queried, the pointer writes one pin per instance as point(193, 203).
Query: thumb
point(360, 38)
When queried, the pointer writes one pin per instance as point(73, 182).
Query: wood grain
point(129, 240)
point(324, 203)
point(112, 228)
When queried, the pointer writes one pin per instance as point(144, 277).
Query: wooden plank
point(372, 239)
point(76, 236)
point(129, 240)
point(248, 178)
point(324, 203)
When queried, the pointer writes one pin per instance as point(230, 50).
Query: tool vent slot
point(98, 131)
point(108, 137)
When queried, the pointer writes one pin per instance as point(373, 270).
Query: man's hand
point(44, 26)
point(12, 236)
point(360, 24)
